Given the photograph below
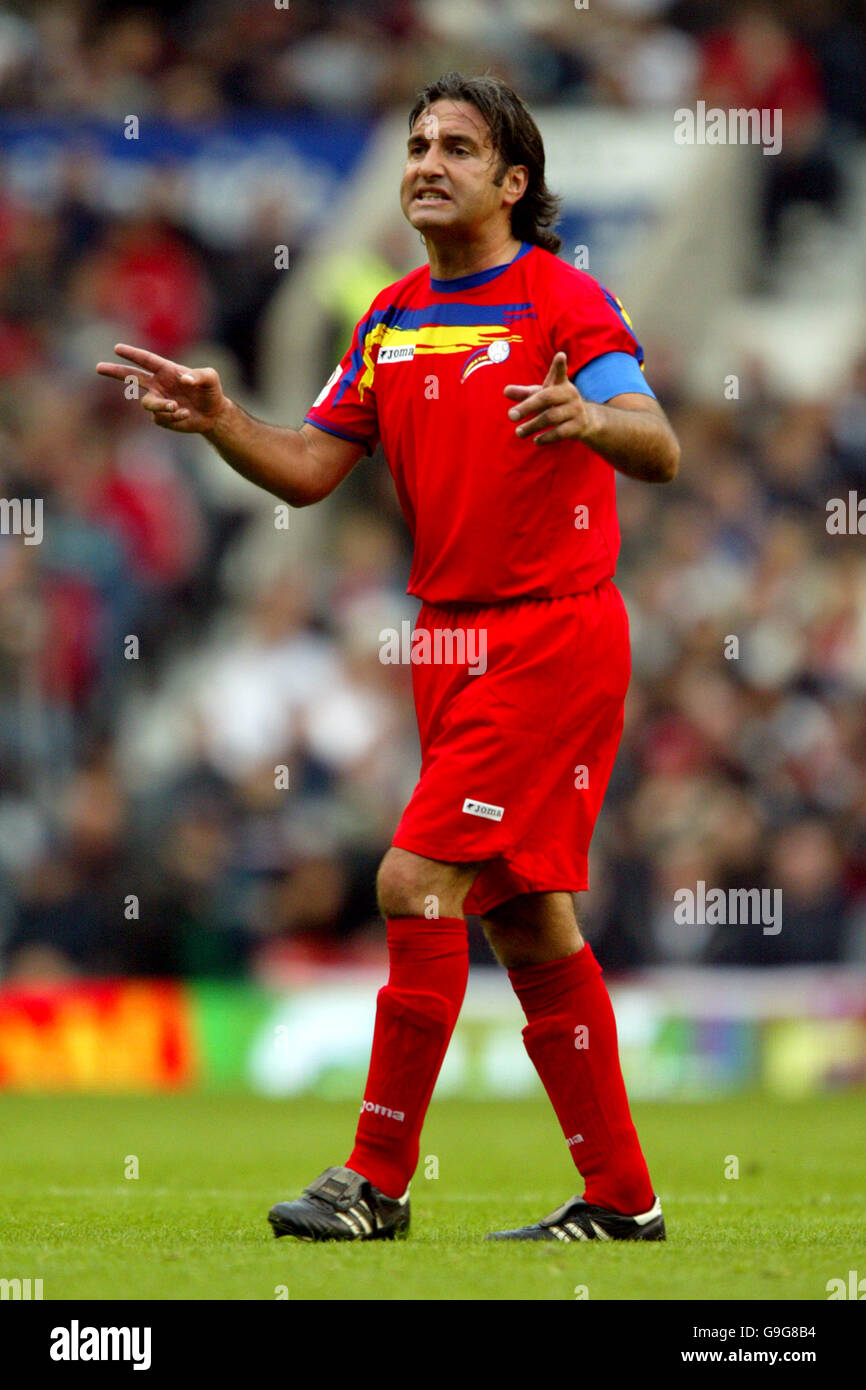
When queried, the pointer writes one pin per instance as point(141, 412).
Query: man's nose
point(432, 161)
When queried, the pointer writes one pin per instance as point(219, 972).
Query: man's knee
point(533, 928)
point(533, 912)
point(397, 884)
point(409, 886)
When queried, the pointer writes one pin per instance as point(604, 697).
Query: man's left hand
point(556, 407)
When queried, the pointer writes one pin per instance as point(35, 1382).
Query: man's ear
point(516, 182)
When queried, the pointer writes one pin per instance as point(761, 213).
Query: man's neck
point(453, 260)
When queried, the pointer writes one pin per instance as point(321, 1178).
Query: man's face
point(448, 179)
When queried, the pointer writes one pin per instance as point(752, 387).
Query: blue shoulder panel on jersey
point(611, 374)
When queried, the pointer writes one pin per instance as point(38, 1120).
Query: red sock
point(415, 1016)
point(571, 1038)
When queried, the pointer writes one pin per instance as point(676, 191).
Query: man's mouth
point(431, 195)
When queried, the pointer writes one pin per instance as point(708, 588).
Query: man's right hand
point(185, 399)
point(299, 466)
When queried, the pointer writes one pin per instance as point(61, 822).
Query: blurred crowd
point(744, 758)
point(202, 758)
point(199, 63)
point(200, 59)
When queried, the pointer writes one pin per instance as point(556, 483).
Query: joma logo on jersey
point(575, 1139)
point(432, 331)
point(396, 354)
point(398, 1115)
point(483, 809)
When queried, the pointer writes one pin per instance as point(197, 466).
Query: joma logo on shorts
point(575, 1139)
point(483, 808)
point(398, 1115)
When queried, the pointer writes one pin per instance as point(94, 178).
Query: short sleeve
point(591, 324)
point(346, 404)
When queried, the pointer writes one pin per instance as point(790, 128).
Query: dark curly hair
point(516, 139)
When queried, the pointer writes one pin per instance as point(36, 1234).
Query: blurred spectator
point(144, 273)
point(641, 60)
point(757, 62)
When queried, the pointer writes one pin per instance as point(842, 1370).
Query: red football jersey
point(493, 517)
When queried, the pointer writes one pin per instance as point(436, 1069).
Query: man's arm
point(631, 431)
point(299, 466)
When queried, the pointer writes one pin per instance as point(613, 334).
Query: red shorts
point(516, 758)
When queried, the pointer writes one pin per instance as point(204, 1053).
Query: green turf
point(192, 1225)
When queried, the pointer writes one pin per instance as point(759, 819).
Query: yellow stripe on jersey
point(431, 338)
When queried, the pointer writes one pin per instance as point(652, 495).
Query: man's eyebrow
point(450, 138)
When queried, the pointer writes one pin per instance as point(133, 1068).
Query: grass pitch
point(193, 1225)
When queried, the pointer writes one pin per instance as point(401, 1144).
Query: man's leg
point(571, 1038)
point(422, 902)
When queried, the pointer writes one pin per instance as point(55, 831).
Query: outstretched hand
point(180, 398)
point(555, 407)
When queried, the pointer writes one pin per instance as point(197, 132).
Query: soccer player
point(505, 387)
